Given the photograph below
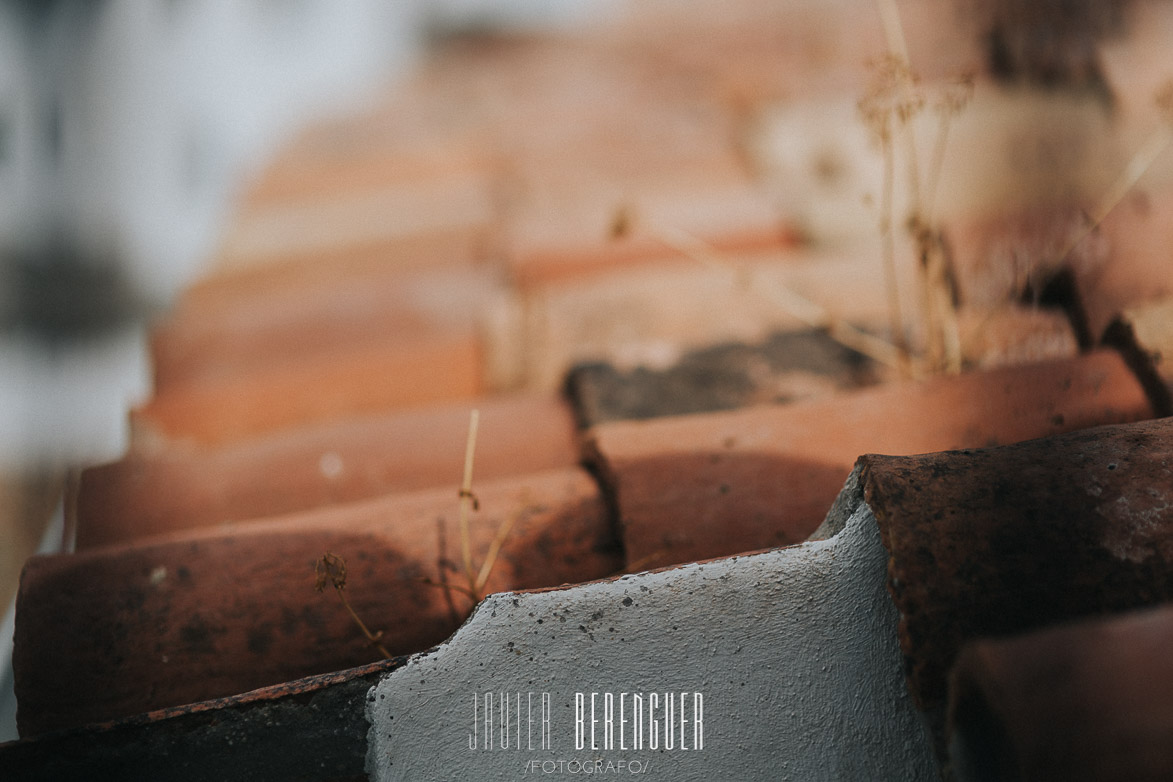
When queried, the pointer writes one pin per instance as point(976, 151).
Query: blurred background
point(127, 129)
point(133, 134)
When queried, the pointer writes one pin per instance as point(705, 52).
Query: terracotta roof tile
point(1001, 541)
point(649, 310)
point(786, 367)
point(372, 375)
point(527, 203)
point(225, 330)
point(263, 734)
point(715, 484)
point(182, 618)
point(172, 488)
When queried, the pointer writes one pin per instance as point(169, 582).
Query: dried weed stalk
point(1137, 165)
point(468, 500)
point(331, 570)
point(475, 578)
point(894, 99)
point(890, 100)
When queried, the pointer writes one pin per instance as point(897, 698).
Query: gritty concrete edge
point(797, 651)
point(850, 497)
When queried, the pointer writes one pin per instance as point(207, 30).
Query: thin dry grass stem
point(893, 28)
point(475, 591)
point(442, 566)
point(475, 578)
point(888, 249)
point(906, 84)
point(936, 163)
point(892, 102)
point(951, 102)
point(470, 594)
point(941, 342)
point(1136, 168)
point(468, 500)
point(790, 302)
point(933, 345)
point(331, 570)
point(491, 555)
point(944, 332)
point(890, 105)
point(950, 334)
point(942, 329)
point(1137, 165)
point(909, 135)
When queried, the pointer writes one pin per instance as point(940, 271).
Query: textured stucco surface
point(794, 650)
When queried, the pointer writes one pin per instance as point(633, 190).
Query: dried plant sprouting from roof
point(330, 570)
point(475, 579)
point(894, 99)
point(891, 99)
point(793, 303)
point(950, 101)
point(955, 95)
point(941, 350)
point(894, 94)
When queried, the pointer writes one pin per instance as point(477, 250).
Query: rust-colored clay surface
point(181, 487)
point(1001, 541)
point(373, 376)
point(232, 325)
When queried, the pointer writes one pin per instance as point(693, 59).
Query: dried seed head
point(955, 96)
point(893, 93)
point(330, 569)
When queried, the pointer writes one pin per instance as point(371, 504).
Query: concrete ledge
point(793, 651)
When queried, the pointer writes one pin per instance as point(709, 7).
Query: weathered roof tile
point(181, 618)
point(172, 487)
point(1001, 541)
